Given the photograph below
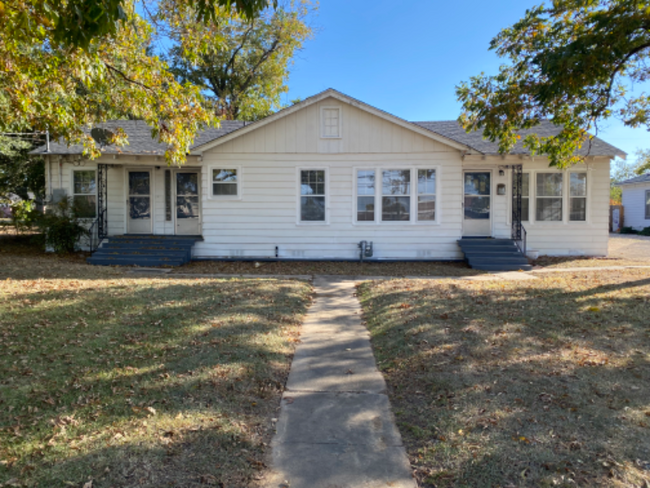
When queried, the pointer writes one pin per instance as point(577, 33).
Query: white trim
point(238, 196)
point(646, 214)
point(300, 222)
point(152, 192)
point(322, 122)
point(587, 197)
point(75, 169)
point(175, 171)
point(564, 219)
point(478, 169)
point(413, 168)
point(199, 150)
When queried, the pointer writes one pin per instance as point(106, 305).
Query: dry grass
point(329, 268)
point(536, 383)
point(138, 382)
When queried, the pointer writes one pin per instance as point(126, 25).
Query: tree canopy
point(244, 74)
point(66, 65)
point(576, 63)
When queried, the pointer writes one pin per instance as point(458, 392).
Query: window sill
point(312, 223)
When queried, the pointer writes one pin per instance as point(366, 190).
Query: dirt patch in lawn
point(535, 383)
point(624, 250)
point(138, 382)
point(329, 268)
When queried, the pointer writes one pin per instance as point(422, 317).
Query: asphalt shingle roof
point(141, 142)
point(453, 130)
point(645, 178)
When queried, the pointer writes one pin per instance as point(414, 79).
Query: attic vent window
point(331, 122)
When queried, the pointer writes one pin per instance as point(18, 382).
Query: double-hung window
point(312, 195)
point(549, 197)
point(647, 205)
point(578, 197)
point(396, 195)
point(225, 182)
point(426, 194)
point(525, 195)
point(84, 193)
point(366, 196)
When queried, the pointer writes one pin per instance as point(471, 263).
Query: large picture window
point(225, 182)
point(84, 193)
point(396, 195)
point(578, 197)
point(525, 195)
point(426, 194)
point(312, 195)
point(366, 196)
point(549, 197)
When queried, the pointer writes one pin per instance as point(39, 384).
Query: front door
point(188, 220)
point(476, 204)
point(139, 203)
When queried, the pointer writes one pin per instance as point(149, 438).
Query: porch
point(141, 200)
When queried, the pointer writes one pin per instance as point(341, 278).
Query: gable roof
point(446, 132)
point(645, 178)
point(332, 93)
point(453, 130)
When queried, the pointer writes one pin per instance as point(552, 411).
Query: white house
point(636, 201)
point(314, 180)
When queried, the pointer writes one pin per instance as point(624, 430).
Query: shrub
point(645, 232)
point(62, 226)
point(628, 230)
point(24, 215)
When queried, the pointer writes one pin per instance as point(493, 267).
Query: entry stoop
point(145, 251)
point(494, 255)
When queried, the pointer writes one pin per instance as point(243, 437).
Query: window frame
point(299, 196)
point(210, 192)
point(647, 204)
point(378, 170)
point(322, 122)
point(72, 190)
point(562, 197)
point(569, 197)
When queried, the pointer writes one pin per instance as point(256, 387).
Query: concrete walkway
point(335, 428)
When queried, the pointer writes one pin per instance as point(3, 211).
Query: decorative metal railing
point(519, 234)
point(93, 234)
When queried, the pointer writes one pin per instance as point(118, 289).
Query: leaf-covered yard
point(115, 381)
point(523, 383)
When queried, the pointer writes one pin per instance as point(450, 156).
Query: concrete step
point(473, 262)
point(503, 267)
point(143, 253)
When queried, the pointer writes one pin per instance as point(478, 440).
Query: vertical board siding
point(634, 203)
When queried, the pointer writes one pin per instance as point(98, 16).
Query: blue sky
point(407, 57)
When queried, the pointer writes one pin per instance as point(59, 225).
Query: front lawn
point(535, 383)
point(109, 381)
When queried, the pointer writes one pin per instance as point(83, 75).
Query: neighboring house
point(636, 201)
point(314, 180)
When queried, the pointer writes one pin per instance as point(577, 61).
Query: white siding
point(634, 204)
point(587, 238)
point(265, 214)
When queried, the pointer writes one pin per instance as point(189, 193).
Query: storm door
point(476, 204)
point(188, 221)
point(139, 203)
